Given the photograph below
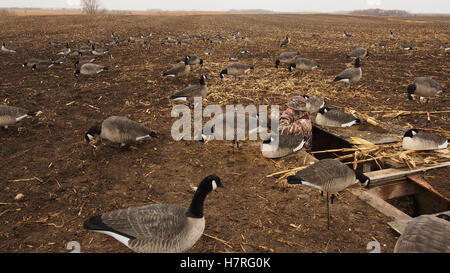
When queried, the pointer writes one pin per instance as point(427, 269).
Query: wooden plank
point(397, 174)
point(395, 190)
point(424, 184)
point(379, 204)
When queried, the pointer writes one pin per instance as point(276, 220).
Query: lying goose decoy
point(109, 43)
point(93, 42)
point(245, 50)
point(55, 43)
point(419, 140)
point(358, 52)
point(235, 69)
point(424, 87)
point(382, 44)
point(90, 69)
point(85, 49)
point(406, 46)
point(425, 234)
point(99, 51)
point(9, 115)
point(286, 57)
point(304, 64)
point(351, 74)
point(446, 46)
point(276, 146)
point(6, 49)
point(208, 52)
point(233, 57)
point(157, 228)
point(182, 69)
point(313, 104)
point(335, 118)
point(119, 130)
point(59, 61)
point(190, 92)
point(330, 176)
point(34, 63)
point(65, 51)
point(84, 60)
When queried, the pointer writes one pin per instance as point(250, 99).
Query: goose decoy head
point(411, 90)
point(76, 63)
point(410, 133)
point(306, 96)
point(364, 181)
point(277, 63)
point(210, 183)
point(33, 67)
point(292, 66)
point(201, 62)
point(77, 73)
point(323, 110)
point(203, 78)
point(444, 216)
point(367, 54)
point(24, 64)
point(94, 130)
point(225, 71)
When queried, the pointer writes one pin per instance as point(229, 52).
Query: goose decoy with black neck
point(190, 92)
point(424, 87)
point(359, 52)
point(425, 234)
point(157, 228)
point(286, 41)
point(90, 69)
point(235, 69)
point(330, 176)
point(351, 74)
point(286, 57)
point(6, 49)
point(303, 64)
point(119, 130)
point(84, 59)
point(245, 50)
point(182, 69)
point(35, 63)
point(65, 51)
point(335, 118)
point(9, 115)
point(346, 35)
point(276, 145)
point(392, 36)
point(99, 51)
point(313, 104)
point(419, 140)
point(192, 60)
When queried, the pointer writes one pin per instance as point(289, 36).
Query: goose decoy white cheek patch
point(214, 185)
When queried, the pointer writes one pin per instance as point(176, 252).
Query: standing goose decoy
point(424, 87)
point(193, 60)
point(119, 130)
point(276, 146)
point(64, 51)
point(313, 104)
point(382, 44)
point(346, 35)
point(351, 74)
point(406, 46)
point(330, 176)
point(7, 50)
point(286, 57)
point(99, 51)
point(358, 52)
point(190, 92)
point(90, 69)
point(392, 36)
point(9, 115)
point(335, 118)
point(181, 69)
point(303, 64)
point(420, 140)
point(286, 41)
point(157, 228)
point(425, 234)
point(236, 69)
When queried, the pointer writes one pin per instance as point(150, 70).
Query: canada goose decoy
point(181, 69)
point(446, 46)
point(406, 46)
point(119, 130)
point(186, 41)
point(193, 60)
point(276, 145)
point(335, 118)
point(303, 64)
point(316, 36)
point(10, 115)
point(59, 61)
point(233, 57)
point(157, 228)
point(74, 54)
point(169, 41)
point(424, 87)
point(419, 140)
point(109, 43)
point(358, 52)
point(190, 92)
point(114, 36)
point(313, 104)
point(85, 49)
point(286, 57)
point(392, 36)
point(346, 35)
point(351, 74)
point(84, 60)
point(99, 51)
point(34, 63)
point(286, 41)
point(235, 69)
point(6, 49)
point(55, 43)
point(126, 41)
point(330, 176)
point(382, 44)
point(208, 52)
point(425, 234)
point(90, 69)
point(64, 51)
point(245, 50)
point(93, 42)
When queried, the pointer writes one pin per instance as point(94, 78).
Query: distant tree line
point(381, 12)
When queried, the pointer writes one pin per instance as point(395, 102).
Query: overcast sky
point(415, 6)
